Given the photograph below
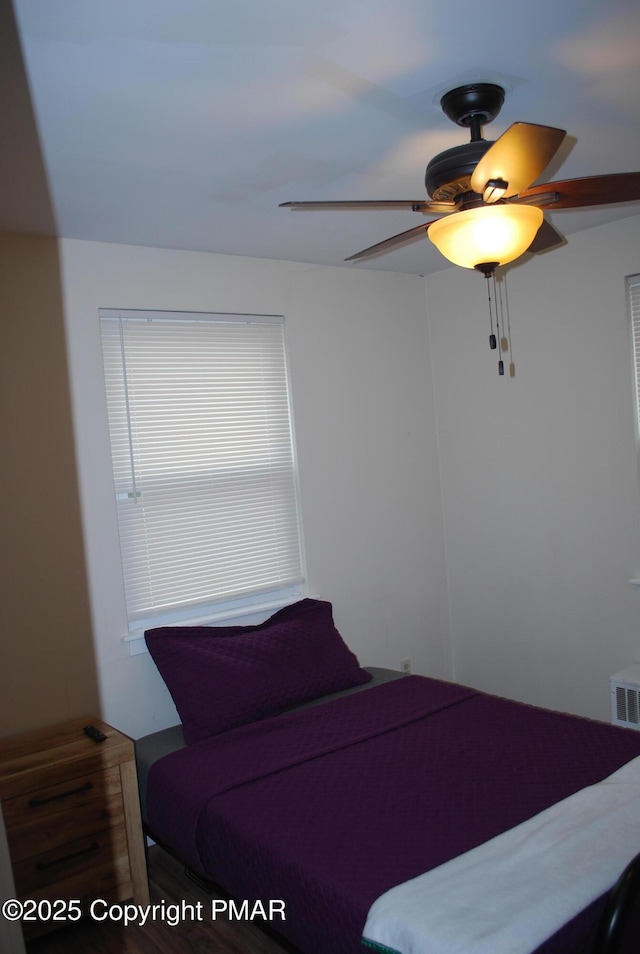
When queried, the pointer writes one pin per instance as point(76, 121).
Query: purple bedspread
point(328, 807)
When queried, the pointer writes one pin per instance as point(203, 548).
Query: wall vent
point(625, 697)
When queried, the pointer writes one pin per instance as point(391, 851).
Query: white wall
point(363, 409)
point(539, 473)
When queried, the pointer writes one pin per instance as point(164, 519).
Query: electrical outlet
point(405, 666)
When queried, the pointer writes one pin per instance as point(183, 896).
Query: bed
point(355, 795)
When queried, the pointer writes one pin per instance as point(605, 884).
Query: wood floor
point(168, 883)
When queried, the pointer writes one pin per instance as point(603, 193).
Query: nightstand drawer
point(47, 818)
point(77, 869)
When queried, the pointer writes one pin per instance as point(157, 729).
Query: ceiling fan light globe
point(492, 233)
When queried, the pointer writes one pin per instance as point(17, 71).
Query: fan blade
point(415, 205)
point(515, 160)
point(546, 237)
point(592, 190)
point(389, 243)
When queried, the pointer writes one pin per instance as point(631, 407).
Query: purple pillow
point(224, 676)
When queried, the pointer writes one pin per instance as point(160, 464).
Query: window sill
point(136, 641)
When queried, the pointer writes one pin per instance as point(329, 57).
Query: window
point(633, 297)
point(203, 463)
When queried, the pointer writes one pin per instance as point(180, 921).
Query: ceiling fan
point(498, 212)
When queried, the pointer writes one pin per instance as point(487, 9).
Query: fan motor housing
point(448, 174)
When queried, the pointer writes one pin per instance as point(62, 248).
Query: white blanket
point(512, 893)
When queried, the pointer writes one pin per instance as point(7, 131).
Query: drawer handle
point(37, 802)
point(43, 865)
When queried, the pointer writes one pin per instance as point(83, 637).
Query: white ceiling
point(184, 123)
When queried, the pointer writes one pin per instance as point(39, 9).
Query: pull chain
point(488, 269)
point(492, 337)
point(495, 298)
point(506, 327)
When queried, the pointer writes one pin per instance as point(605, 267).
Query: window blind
point(203, 460)
point(633, 297)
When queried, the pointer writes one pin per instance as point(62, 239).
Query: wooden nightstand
point(72, 817)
